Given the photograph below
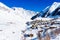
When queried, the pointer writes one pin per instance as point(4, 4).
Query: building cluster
point(42, 30)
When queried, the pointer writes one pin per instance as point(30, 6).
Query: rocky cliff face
point(50, 11)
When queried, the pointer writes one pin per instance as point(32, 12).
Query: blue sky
point(34, 5)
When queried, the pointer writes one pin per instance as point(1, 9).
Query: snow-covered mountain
point(52, 11)
point(12, 21)
point(44, 23)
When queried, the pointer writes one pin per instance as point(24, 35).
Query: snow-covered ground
point(13, 21)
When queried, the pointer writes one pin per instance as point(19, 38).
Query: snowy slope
point(50, 11)
point(54, 6)
point(12, 21)
point(53, 9)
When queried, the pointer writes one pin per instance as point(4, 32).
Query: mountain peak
point(52, 10)
point(54, 6)
point(3, 5)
